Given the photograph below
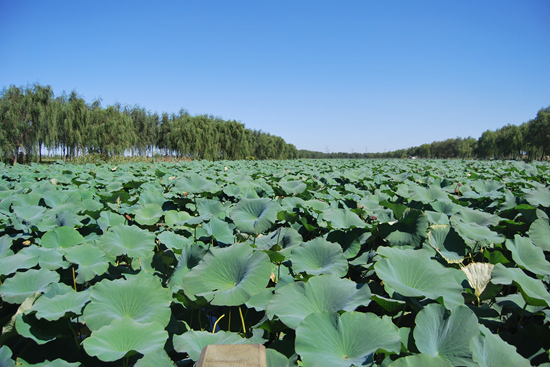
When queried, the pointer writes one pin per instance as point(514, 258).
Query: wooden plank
point(233, 355)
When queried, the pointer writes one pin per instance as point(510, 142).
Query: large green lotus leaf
point(30, 214)
point(286, 238)
point(447, 243)
point(5, 357)
point(191, 255)
point(317, 206)
point(447, 208)
point(486, 186)
point(125, 335)
point(350, 241)
point(527, 255)
point(421, 359)
point(193, 342)
point(157, 358)
point(174, 241)
point(291, 204)
point(109, 219)
point(475, 235)
point(533, 290)
point(254, 215)
point(128, 240)
point(141, 298)
point(229, 276)
point(59, 305)
point(410, 230)
point(343, 219)
point(293, 187)
point(148, 214)
point(490, 350)
point(412, 273)
point(212, 207)
point(439, 332)
point(61, 237)
point(539, 196)
point(196, 184)
point(17, 288)
point(427, 195)
point(294, 301)
point(539, 232)
point(319, 256)
point(330, 339)
point(42, 331)
point(48, 258)
point(478, 217)
point(90, 259)
point(218, 229)
point(11, 263)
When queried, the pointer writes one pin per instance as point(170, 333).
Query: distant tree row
point(33, 120)
point(530, 140)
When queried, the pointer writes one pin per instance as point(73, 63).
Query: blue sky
point(338, 75)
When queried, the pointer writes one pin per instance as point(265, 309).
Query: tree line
point(33, 120)
point(530, 140)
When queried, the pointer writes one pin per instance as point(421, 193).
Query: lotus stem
point(242, 320)
point(216, 323)
point(139, 259)
point(74, 281)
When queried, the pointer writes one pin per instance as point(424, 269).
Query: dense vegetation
point(391, 263)
point(32, 119)
point(530, 140)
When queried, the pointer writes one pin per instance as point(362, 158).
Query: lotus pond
point(327, 263)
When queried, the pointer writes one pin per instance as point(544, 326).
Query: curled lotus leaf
point(148, 214)
point(17, 288)
point(254, 216)
point(294, 301)
point(54, 308)
point(293, 187)
point(61, 237)
point(330, 339)
point(479, 275)
point(140, 297)
point(196, 184)
point(90, 259)
point(125, 335)
point(447, 334)
point(539, 232)
point(489, 349)
point(412, 273)
point(229, 276)
point(534, 291)
point(424, 360)
point(319, 256)
point(343, 219)
point(527, 255)
point(128, 240)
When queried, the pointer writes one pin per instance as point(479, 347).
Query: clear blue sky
point(347, 75)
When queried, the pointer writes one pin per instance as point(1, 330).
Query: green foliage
point(380, 263)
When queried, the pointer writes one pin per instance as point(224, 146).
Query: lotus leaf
point(319, 256)
point(210, 207)
point(539, 196)
point(254, 216)
point(410, 230)
point(489, 350)
point(123, 336)
point(193, 342)
point(218, 230)
point(148, 214)
point(412, 273)
point(439, 332)
point(539, 232)
point(141, 297)
point(157, 358)
point(174, 241)
point(54, 308)
point(128, 240)
point(293, 187)
point(330, 339)
point(528, 256)
point(229, 276)
point(61, 237)
point(42, 331)
point(276, 359)
point(55, 363)
point(294, 301)
point(447, 243)
point(479, 275)
point(427, 195)
point(5, 357)
point(17, 288)
point(90, 259)
point(11, 263)
point(342, 219)
point(533, 290)
point(48, 258)
point(196, 184)
point(424, 360)
point(191, 255)
point(109, 219)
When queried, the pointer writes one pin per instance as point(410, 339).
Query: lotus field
point(327, 263)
